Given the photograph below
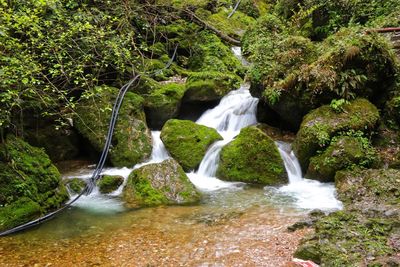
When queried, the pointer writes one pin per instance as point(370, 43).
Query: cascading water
point(97, 202)
point(235, 111)
point(308, 194)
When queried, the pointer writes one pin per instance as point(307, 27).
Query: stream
point(234, 225)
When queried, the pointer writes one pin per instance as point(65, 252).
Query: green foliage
point(253, 158)
point(338, 105)
point(320, 125)
point(344, 152)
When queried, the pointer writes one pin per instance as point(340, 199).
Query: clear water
point(235, 224)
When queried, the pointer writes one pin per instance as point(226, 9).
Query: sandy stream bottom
point(169, 237)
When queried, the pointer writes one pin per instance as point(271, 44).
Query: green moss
point(235, 26)
point(131, 140)
point(344, 152)
point(75, 185)
point(348, 239)
point(210, 86)
point(369, 189)
point(109, 183)
point(187, 142)
point(210, 54)
point(252, 157)
point(293, 73)
point(21, 211)
point(159, 184)
point(28, 180)
point(164, 103)
point(321, 124)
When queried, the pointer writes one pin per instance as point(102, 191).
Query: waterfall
point(308, 194)
point(235, 111)
point(99, 203)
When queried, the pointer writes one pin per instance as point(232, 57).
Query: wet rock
point(347, 238)
point(344, 152)
point(252, 157)
point(377, 189)
point(321, 124)
point(109, 183)
point(75, 185)
point(30, 185)
point(59, 144)
point(163, 104)
point(131, 142)
point(209, 86)
point(159, 184)
point(187, 142)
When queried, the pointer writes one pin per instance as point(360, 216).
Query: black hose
point(100, 165)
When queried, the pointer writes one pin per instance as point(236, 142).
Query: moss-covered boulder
point(187, 142)
point(162, 183)
point(75, 185)
point(131, 140)
point(344, 152)
point(209, 86)
point(109, 183)
point(252, 157)
point(292, 74)
point(30, 185)
point(321, 124)
point(163, 104)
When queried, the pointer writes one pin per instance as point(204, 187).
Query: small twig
point(234, 9)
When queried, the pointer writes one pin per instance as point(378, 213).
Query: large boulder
point(252, 157)
point(60, 144)
point(30, 185)
point(188, 142)
point(321, 124)
point(209, 86)
point(292, 74)
point(131, 142)
point(344, 152)
point(163, 104)
point(162, 183)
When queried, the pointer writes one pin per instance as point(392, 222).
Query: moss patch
point(131, 140)
point(163, 104)
point(210, 86)
point(159, 184)
point(109, 183)
point(75, 185)
point(187, 142)
point(321, 124)
point(30, 185)
point(253, 158)
point(344, 152)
